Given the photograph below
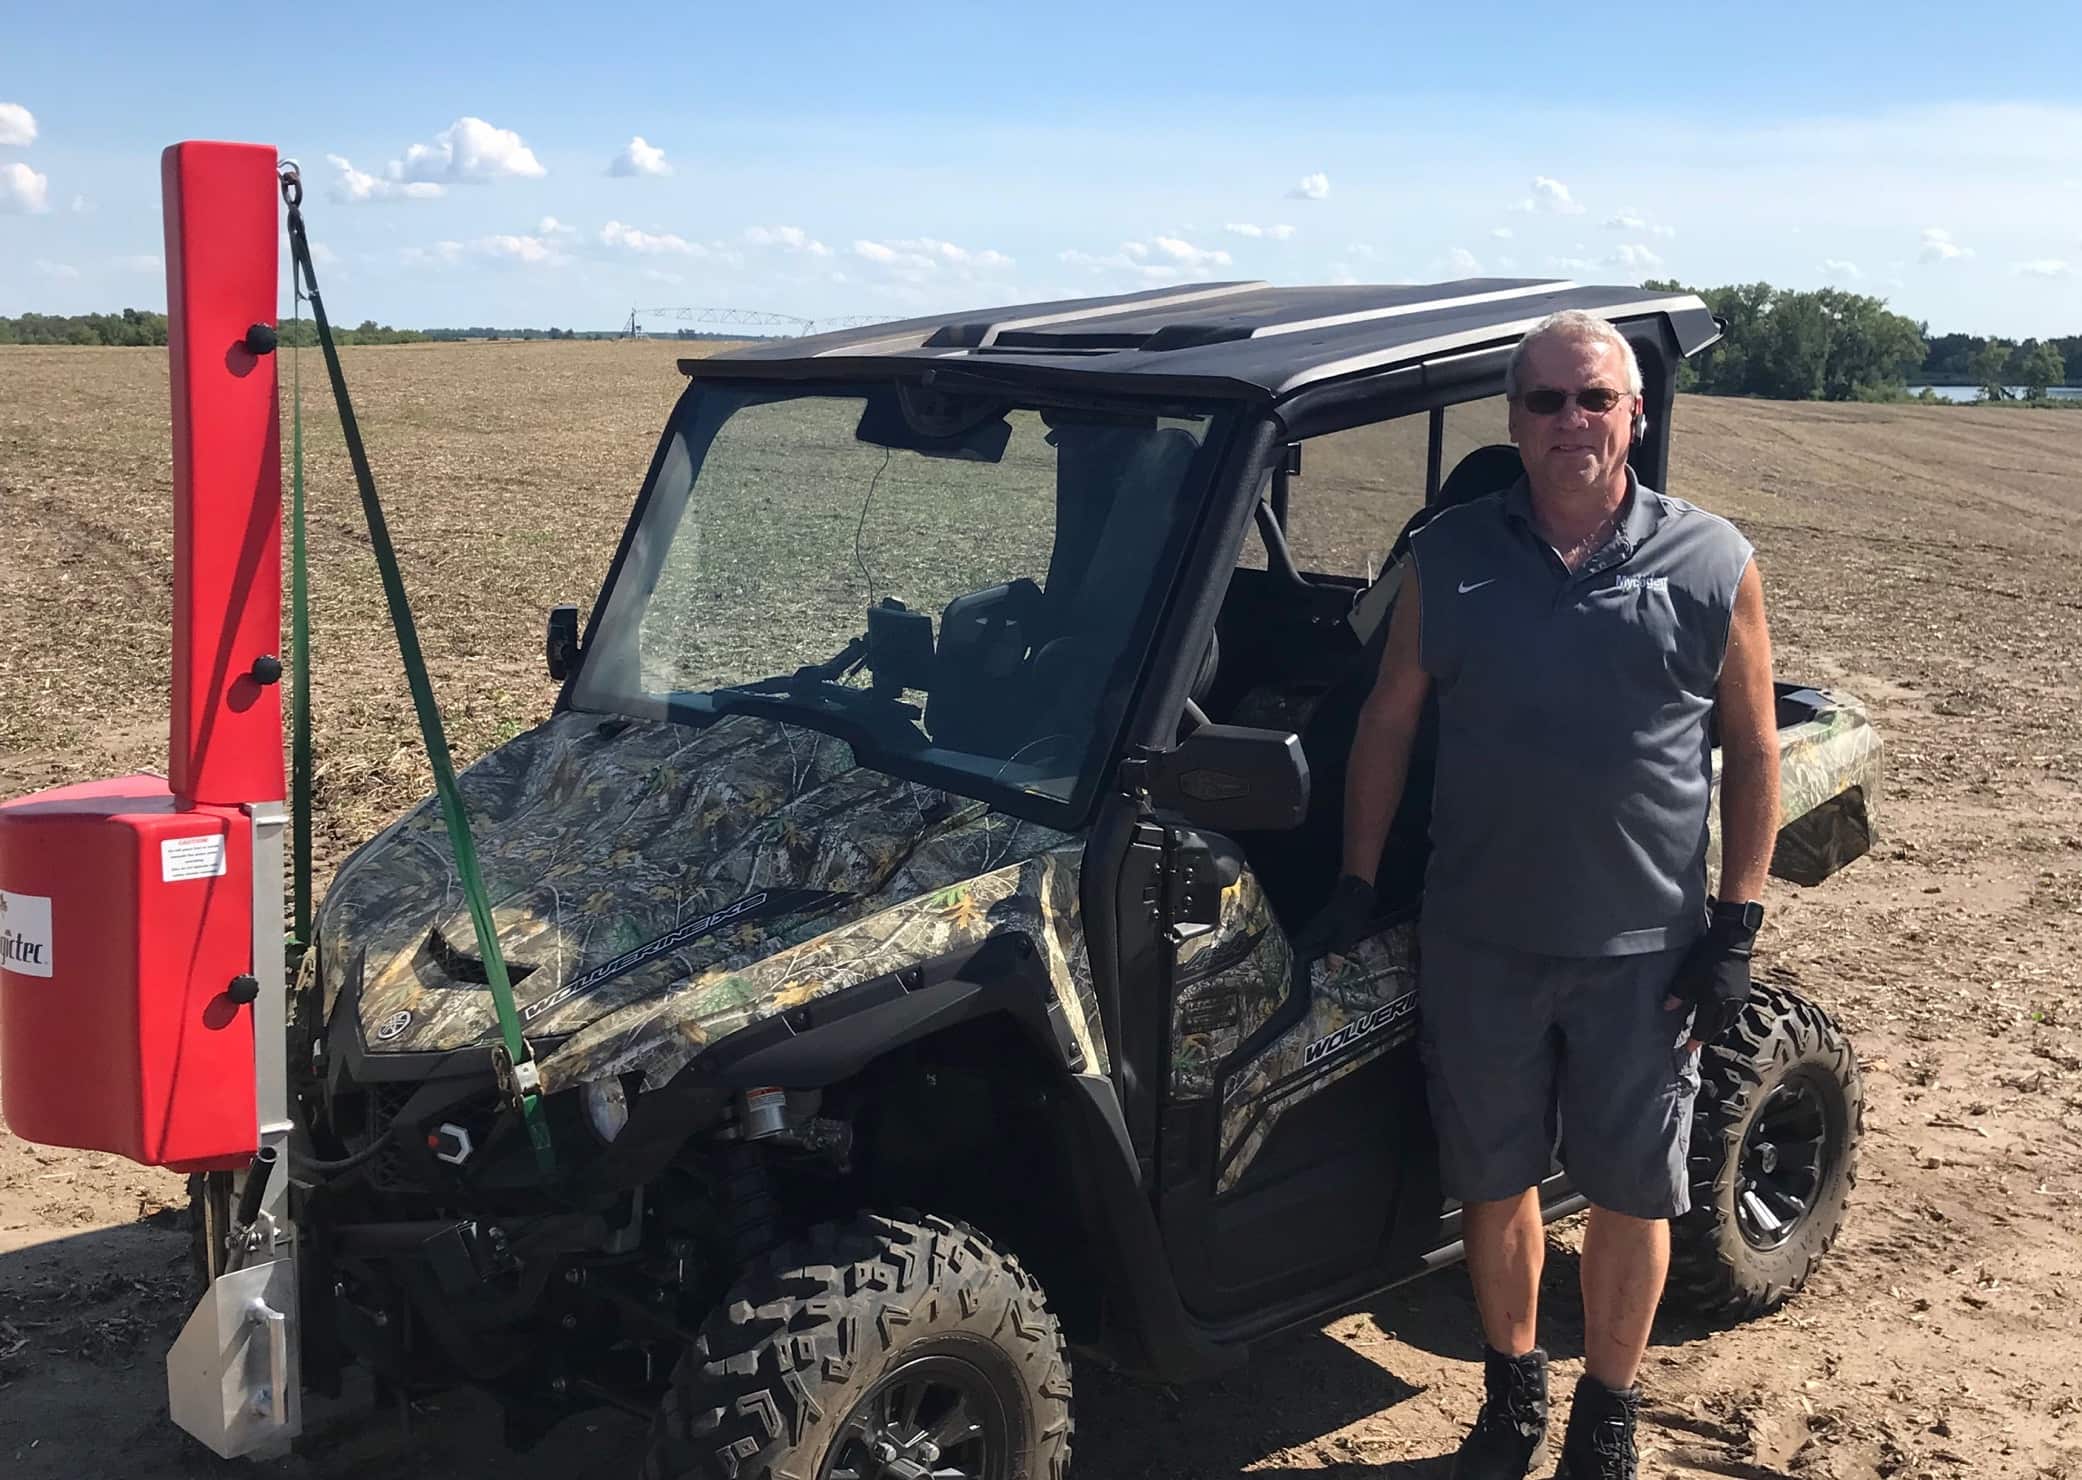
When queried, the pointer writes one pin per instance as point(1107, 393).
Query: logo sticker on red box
point(25, 934)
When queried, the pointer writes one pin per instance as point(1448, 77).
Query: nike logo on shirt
point(1467, 586)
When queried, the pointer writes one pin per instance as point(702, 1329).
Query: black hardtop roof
point(1225, 339)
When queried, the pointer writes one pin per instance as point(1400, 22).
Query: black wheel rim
point(1786, 1156)
point(932, 1418)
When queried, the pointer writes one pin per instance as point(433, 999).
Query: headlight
point(607, 1107)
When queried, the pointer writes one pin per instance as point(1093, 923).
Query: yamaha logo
point(393, 1025)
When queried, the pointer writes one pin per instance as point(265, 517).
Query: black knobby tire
point(1786, 1062)
point(821, 1324)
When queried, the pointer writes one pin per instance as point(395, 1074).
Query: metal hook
point(292, 183)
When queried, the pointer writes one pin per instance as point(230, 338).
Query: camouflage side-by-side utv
point(899, 901)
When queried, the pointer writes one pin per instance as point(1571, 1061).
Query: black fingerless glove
point(1714, 976)
point(1342, 922)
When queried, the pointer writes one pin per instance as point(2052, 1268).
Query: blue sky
point(534, 164)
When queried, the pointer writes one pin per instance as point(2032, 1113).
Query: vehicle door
point(1294, 1154)
point(1291, 1088)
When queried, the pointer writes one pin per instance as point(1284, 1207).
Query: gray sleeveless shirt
point(1574, 769)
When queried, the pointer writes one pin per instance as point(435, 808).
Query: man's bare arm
point(1749, 746)
point(1387, 729)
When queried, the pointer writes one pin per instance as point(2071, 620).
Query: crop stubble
point(1922, 557)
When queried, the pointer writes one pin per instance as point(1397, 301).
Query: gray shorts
point(1514, 1043)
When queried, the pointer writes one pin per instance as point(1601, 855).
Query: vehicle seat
point(1484, 471)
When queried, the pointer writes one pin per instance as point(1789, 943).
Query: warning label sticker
point(191, 858)
point(25, 934)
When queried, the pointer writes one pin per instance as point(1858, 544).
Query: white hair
point(1575, 325)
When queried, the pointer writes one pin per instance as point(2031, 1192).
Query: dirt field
point(1925, 559)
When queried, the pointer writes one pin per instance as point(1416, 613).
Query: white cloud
point(1551, 196)
point(23, 190)
point(1311, 187)
point(2044, 267)
point(1572, 264)
point(468, 150)
point(355, 185)
point(51, 269)
point(1463, 263)
point(17, 126)
point(530, 249)
point(1161, 259)
point(1275, 233)
point(551, 226)
point(1839, 268)
point(790, 238)
point(660, 275)
point(323, 255)
point(141, 262)
point(1187, 255)
point(1633, 254)
point(1938, 246)
point(1633, 220)
point(1501, 233)
point(81, 205)
point(1359, 249)
point(615, 234)
point(1132, 260)
point(917, 257)
point(444, 253)
point(1341, 275)
point(638, 158)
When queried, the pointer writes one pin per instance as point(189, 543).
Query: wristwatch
point(1747, 913)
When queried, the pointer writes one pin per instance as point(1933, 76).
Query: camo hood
point(624, 858)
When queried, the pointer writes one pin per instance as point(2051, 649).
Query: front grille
point(387, 1171)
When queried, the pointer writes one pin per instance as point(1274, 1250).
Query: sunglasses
point(1597, 400)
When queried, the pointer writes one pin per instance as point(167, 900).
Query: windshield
point(963, 590)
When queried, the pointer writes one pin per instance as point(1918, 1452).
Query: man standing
point(1581, 631)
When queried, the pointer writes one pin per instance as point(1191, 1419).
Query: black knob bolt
point(261, 339)
point(243, 988)
point(267, 670)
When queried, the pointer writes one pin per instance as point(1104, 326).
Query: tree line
point(1825, 345)
point(1994, 364)
point(136, 326)
point(1834, 345)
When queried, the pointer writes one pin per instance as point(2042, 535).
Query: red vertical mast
point(222, 272)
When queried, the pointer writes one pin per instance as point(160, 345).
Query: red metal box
point(123, 920)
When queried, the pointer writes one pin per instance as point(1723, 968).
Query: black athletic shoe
point(1512, 1425)
point(1599, 1444)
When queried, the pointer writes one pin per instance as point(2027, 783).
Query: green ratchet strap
point(517, 1070)
point(299, 654)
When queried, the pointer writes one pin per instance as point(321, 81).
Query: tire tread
point(1712, 1271)
point(776, 1358)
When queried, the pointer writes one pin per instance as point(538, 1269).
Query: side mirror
point(560, 651)
point(1231, 778)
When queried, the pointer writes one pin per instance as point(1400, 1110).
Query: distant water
point(1973, 392)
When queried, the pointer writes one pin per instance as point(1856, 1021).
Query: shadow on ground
point(85, 1322)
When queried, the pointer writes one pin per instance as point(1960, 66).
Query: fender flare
point(836, 1037)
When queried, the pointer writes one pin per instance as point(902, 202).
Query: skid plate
point(232, 1377)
